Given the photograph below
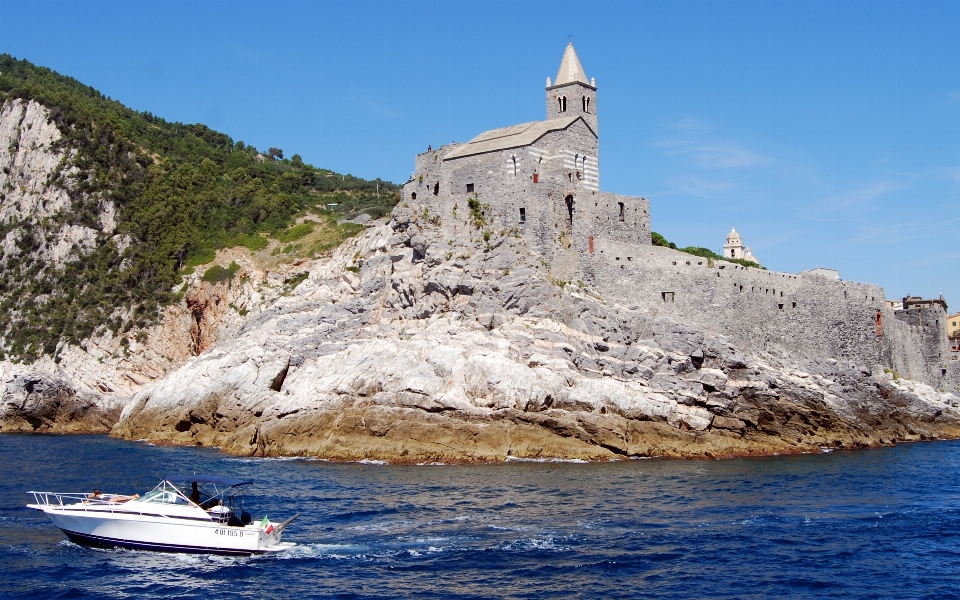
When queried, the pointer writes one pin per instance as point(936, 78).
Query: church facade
point(541, 177)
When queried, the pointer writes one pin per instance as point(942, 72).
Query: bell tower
point(572, 94)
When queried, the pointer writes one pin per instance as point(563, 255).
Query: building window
point(667, 296)
point(562, 103)
point(436, 188)
point(569, 202)
point(413, 196)
point(523, 215)
point(621, 210)
point(469, 188)
point(514, 158)
point(733, 253)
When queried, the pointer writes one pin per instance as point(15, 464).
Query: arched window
point(586, 108)
point(562, 103)
point(584, 99)
point(621, 210)
point(413, 196)
point(514, 159)
point(569, 201)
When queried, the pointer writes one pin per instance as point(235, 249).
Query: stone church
point(734, 247)
point(542, 177)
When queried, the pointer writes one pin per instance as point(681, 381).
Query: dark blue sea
point(866, 524)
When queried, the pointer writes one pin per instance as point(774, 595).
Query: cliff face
point(411, 345)
point(93, 303)
point(85, 388)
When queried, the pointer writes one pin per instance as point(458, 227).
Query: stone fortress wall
point(916, 346)
point(800, 315)
point(603, 240)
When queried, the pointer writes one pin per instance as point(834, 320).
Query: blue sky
point(828, 132)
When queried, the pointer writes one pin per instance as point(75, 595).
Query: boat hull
point(162, 534)
point(96, 541)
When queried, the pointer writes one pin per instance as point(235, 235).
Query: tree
point(275, 153)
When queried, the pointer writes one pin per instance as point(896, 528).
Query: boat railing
point(74, 500)
point(104, 503)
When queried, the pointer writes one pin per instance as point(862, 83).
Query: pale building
point(953, 326)
point(734, 247)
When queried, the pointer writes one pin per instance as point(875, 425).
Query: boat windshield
point(165, 493)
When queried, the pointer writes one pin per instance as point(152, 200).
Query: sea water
point(864, 524)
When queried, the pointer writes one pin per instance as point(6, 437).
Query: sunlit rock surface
point(407, 346)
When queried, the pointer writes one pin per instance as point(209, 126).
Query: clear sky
point(828, 132)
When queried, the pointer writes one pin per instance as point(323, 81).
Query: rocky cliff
point(68, 379)
point(412, 342)
point(408, 345)
point(111, 223)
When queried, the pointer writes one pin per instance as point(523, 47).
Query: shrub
point(216, 273)
point(477, 216)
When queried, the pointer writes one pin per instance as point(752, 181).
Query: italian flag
point(266, 525)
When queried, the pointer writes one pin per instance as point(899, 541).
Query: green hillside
point(181, 192)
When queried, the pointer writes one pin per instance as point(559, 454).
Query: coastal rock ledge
point(420, 343)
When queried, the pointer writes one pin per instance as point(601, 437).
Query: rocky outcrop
point(413, 345)
point(58, 232)
point(84, 388)
point(34, 401)
point(109, 369)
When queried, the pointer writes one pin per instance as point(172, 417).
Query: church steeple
point(570, 68)
point(572, 94)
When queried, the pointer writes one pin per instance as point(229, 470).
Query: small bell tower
point(572, 94)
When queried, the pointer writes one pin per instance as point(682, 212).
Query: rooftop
point(514, 136)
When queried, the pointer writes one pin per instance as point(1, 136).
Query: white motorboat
point(197, 514)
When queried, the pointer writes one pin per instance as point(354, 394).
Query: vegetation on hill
point(181, 192)
point(659, 240)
